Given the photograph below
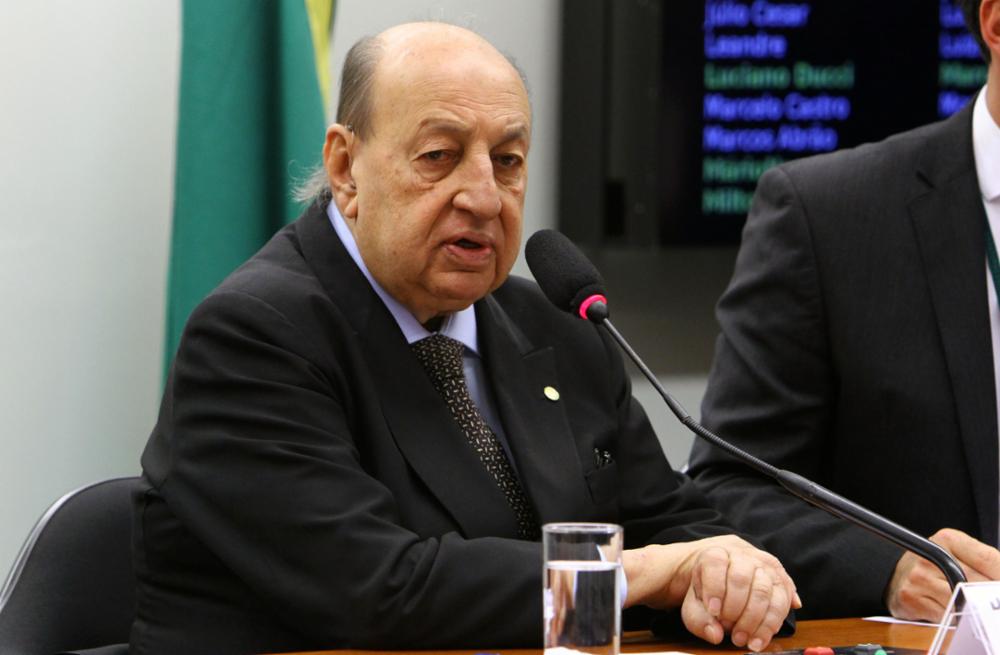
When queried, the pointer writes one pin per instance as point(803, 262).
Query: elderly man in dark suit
point(859, 347)
point(366, 424)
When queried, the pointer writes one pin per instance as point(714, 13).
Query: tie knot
point(441, 357)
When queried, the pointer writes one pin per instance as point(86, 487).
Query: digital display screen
point(748, 84)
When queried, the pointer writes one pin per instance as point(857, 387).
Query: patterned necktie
point(441, 357)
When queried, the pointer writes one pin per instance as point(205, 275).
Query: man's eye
point(436, 156)
point(507, 161)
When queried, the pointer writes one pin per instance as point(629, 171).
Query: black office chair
point(71, 586)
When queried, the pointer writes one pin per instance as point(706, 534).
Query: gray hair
point(354, 109)
point(316, 186)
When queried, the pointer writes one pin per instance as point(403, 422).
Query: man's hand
point(721, 584)
point(918, 591)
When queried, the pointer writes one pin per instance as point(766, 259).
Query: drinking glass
point(581, 587)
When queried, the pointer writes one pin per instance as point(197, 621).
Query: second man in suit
point(860, 347)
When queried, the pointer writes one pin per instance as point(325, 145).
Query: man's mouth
point(468, 244)
point(470, 251)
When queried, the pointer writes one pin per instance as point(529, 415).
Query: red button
point(818, 650)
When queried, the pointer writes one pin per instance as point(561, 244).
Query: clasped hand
point(919, 591)
point(722, 584)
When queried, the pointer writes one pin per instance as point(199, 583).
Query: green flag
point(251, 126)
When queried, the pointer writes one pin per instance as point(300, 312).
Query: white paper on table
point(892, 619)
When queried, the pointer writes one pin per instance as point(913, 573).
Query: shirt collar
point(460, 326)
point(986, 148)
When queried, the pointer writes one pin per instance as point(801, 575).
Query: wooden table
point(830, 632)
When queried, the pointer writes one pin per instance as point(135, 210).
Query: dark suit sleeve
point(263, 468)
point(772, 391)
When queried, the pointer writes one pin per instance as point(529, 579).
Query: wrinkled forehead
point(418, 76)
point(436, 42)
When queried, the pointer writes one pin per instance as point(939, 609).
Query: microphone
point(573, 284)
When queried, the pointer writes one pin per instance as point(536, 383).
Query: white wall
point(87, 112)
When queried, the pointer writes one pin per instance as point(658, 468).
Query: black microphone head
point(565, 275)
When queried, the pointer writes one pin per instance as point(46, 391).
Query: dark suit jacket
point(307, 488)
point(855, 350)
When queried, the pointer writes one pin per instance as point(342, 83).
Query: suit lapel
point(416, 415)
point(536, 427)
point(428, 436)
point(949, 223)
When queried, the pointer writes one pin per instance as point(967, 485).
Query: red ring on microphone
point(585, 305)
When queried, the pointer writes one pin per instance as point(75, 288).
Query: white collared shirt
point(986, 149)
point(460, 326)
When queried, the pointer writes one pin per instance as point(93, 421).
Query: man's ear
point(338, 157)
point(989, 22)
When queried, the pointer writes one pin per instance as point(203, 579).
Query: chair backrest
point(72, 586)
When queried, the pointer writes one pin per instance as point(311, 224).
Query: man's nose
point(478, 193)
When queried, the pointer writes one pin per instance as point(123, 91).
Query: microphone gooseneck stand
point(807, 490)
point(573, 284)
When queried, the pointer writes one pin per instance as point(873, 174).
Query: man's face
point(440, 182)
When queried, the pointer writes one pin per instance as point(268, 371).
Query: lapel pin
point(551, 393)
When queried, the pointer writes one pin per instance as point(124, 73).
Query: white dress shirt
point(460, 326)
point(986, 148)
